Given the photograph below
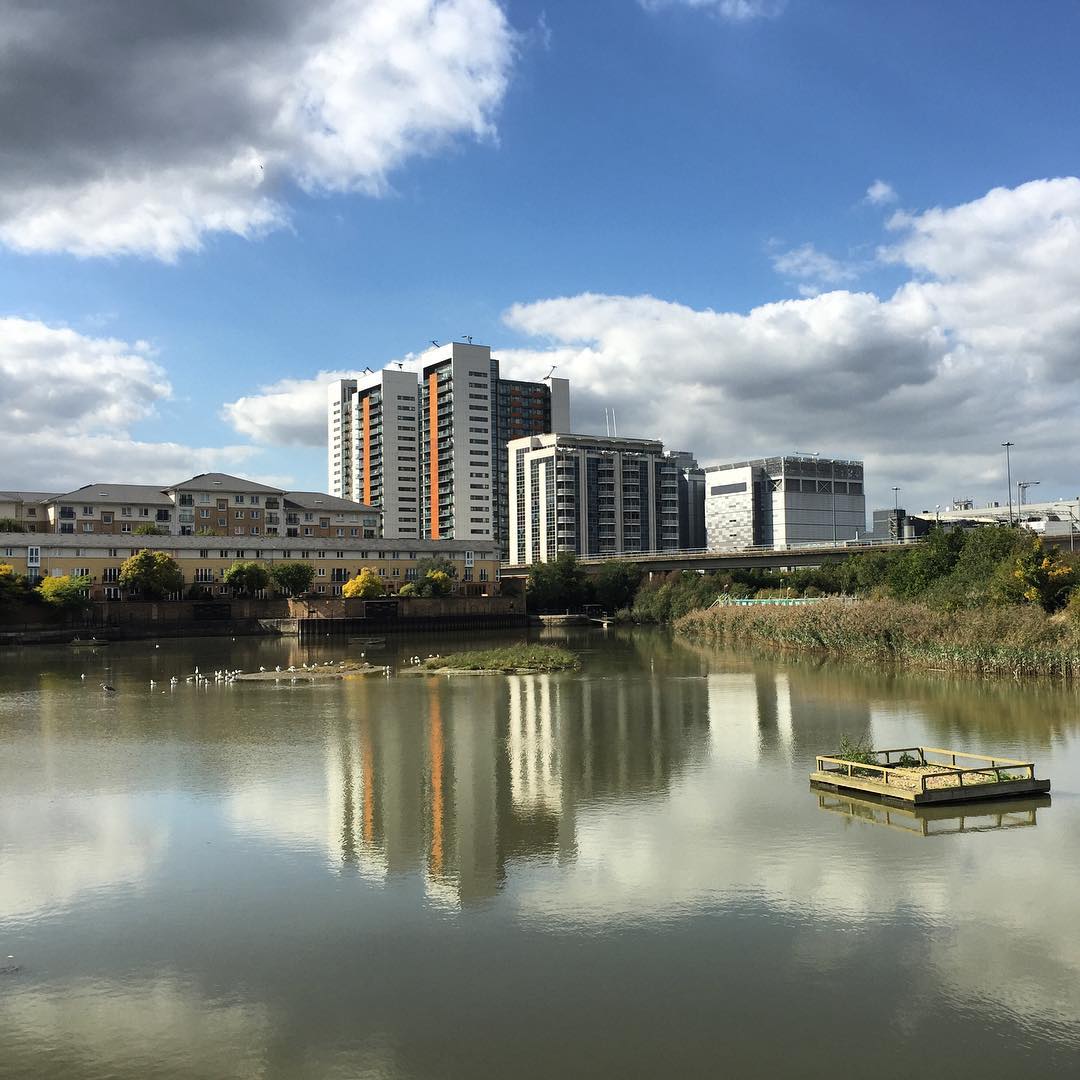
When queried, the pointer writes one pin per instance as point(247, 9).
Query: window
point(106, 518)
point(204, 575)
point(88, 527)
point(186, 500)
point(321, 572)
point(112, 592)
point(125, 526)
point(238, 499)
point(222, 522)
point(204, 514)
point(254, 500)
point(255, 515)
point(144, 511)
point(125, 511)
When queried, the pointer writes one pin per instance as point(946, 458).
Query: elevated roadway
point(732, 559)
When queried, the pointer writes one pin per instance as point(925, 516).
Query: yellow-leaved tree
point(367, 585)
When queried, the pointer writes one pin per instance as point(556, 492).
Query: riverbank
point(1008, 640)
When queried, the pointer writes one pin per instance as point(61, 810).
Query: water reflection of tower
point(750, 715)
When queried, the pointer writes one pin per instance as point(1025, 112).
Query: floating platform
point(928, 775)
point(990, 815)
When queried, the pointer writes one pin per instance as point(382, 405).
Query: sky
point(748, 226)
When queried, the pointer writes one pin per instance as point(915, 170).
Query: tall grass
point(1008, 640)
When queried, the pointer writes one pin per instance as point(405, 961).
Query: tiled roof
point(224, 482)
point(117, 493)
point(319, 500)
point(28, 496)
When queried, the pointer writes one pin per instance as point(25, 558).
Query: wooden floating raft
point(924, 775)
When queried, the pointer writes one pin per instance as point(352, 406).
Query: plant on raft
point(857, 750)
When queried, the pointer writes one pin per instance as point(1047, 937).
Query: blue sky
point(617, 187)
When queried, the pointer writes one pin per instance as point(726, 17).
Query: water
point(618, 872)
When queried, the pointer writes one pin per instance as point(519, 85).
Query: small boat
point(90, 642)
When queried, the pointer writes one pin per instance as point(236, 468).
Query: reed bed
point(512, 658)
point(1010, 640)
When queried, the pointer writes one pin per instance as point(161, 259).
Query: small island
point(513, 660)
point(344, 669)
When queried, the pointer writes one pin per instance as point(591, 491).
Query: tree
point(408, 589)
point(247, 577)
point(65, 591)
point(616, 584)
point(153, 574)
point(293, 578)
point(558, 585)
point(12, 586)
point(367, 585)
point(1038, 576)
point(436, 582)
point(11, 525)
point(146, 529)
point(435, 566)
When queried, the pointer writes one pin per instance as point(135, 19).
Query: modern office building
point(427, 440)
point(691, 500)
point(777, 501)
point(592, 495)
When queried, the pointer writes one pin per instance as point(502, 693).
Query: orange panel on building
point(433, 443)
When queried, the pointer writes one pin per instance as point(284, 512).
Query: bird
point(152, 684)
point(107, 688)
point(83, 676)
point(158, 646)
point(261, 668)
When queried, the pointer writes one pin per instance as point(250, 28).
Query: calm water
point(618, 872)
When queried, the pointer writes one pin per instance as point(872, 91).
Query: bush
point(367, 585)
point(66, 591)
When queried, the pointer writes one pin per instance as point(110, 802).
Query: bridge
point(706, 559)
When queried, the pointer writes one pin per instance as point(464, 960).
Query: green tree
point(11, 525)
point(408, 589)
point(616, 584)
point(153, 574)
point(12, 586)
point(293, 578)
point(247, 578)
point(559, 585)
point(435, 566)
point(1037, 576)
point(367, 585)
point(436, 582)
point(146, 529)
point(65, 591)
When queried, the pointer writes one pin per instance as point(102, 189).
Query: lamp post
point(1008, 477)
point(1021, 490)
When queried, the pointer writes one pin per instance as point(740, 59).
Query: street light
point(1008, 477)
point(1021, 490)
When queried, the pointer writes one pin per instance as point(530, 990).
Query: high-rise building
point(427, 440)
point(778, 501)
point(592, 495)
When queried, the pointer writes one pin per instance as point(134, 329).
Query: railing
point(929, 781)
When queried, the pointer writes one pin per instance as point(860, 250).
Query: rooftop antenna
point(614, 422)
point(607, 423)
point(467, 337)
point(434, 342)
point(550, 373)
point(401, 365)
point(367, 371)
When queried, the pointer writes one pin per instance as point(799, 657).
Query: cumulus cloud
point(134, 128)
point(70, 402)
point(979, 345)
point(880, 193)
point(290, 412)
point(733, 10)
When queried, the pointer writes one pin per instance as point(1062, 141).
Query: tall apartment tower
point(593, 495)
point(373, 444)
point(427, 440)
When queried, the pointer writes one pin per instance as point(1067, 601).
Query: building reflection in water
point(495, 770)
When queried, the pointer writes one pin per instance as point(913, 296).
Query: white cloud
point(813, 269)
point(880, 193)
point(290, 412)
point(139, 129)
point(69, 403)
point(733, 10)
point(979, 345)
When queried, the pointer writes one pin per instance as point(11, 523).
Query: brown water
point(620, 872)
